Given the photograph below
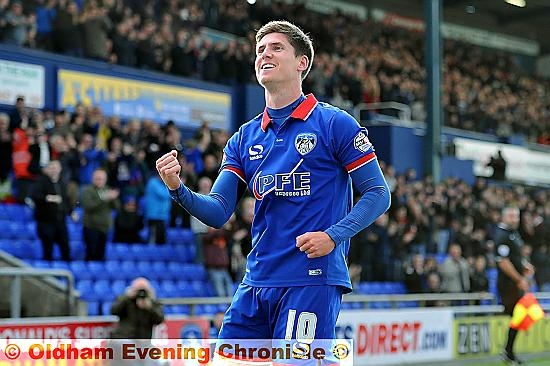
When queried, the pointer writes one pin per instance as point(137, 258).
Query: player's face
point(276, 60)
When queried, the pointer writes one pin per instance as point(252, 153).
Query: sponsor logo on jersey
point(315, 272)
point(361, 142)
point(256, 152)
point(291, 184)
point(305, 142)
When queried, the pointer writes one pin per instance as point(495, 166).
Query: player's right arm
point(506, 266)
point(213, 209)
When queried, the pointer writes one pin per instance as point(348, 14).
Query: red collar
point(302, 112)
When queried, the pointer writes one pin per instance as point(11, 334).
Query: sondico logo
point(255, 152)
point(292, 184)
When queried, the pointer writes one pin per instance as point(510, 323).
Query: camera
point(142, 294)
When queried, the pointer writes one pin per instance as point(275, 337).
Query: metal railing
point(468, 300)
point(403, 110)
point(18, 273)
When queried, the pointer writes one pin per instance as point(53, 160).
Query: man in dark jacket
point(513, 271)
point(52, 206)
point(97, 202)
point(138, 311)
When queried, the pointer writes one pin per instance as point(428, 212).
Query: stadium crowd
point(426, 220)
point(357, 61)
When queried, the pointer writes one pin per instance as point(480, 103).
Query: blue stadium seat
point(112, 269)
point(143, 268)
point(103, 291)
point(118, 287)
point(60, 265)
point(128, 270)
point(206, 309)
point(80, 270)
point(29, 248)
point(97, 270)
point(106, 307)
point(39, 263)
point(199, 288)
point(117, 251)
point(93, 308)
point(346, 306)
point(180, 309)
point(86, 289)
point(163, 271)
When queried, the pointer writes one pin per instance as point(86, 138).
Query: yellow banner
point(129, 98)
point(486, 335)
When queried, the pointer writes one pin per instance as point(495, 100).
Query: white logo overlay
point(305, 142)
point(256, 152)
point(361, 142)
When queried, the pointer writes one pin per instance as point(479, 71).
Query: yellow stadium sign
point(486, 335)
point(129, 98)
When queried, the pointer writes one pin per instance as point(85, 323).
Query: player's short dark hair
point(298, 39)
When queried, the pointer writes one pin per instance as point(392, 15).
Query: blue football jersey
point(299, 175)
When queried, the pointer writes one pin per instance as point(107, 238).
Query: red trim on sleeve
point(237, 171)
point(360, 162)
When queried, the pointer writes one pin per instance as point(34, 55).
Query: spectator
point(91, 158)
point(415, 276)
point(45, 16)
point(242, 238)
point(478, 279)
point(138, 312)
point(216, 260)
point(97, 202)
point(197, 226)
point(455, 273)
point(17, 25)
point(67, 35)
point(20, 116)
point(96, 26)
point(434, 287)
point(21, 159)
point(499, 166)
point(157, 209)
point(51, 209)
point(5, 151)
point(370, 249)
point(128, 222)
point(4, 6)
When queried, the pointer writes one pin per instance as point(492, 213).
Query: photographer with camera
point(138, 311)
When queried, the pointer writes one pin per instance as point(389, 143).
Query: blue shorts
point(301, 312)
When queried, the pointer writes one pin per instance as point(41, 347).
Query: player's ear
point(303, 63)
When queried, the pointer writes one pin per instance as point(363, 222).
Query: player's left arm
point(357, 154)
point(374, 201)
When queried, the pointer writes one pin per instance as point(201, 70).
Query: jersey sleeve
point(350, 142)
point(502, 247)
point(231, 160)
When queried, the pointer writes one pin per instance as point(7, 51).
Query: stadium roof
point(530, 22)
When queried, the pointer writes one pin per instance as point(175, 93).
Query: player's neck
point(278, 98)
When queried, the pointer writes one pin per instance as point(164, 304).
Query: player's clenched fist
point(169, 169)
point(315, 244)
